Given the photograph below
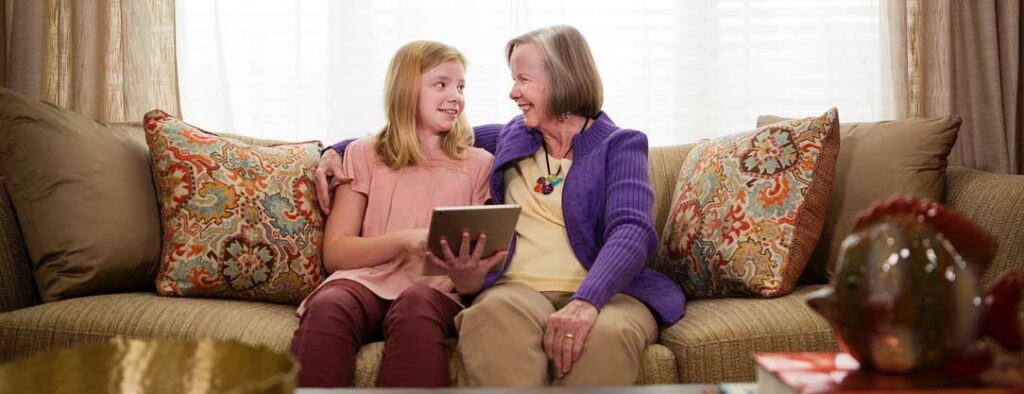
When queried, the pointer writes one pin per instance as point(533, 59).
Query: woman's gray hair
point(573, 83)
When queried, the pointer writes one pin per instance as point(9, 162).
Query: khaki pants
point(501, 335)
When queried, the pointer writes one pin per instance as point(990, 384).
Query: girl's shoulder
point(362, 144)
point(477, 157)
point(480, 154)
point(363, 149)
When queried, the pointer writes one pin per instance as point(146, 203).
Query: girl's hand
point(467, 270)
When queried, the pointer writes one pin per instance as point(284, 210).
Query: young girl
point(375, 239)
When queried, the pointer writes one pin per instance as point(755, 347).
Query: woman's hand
point(468, 271)
point(566, 334)
point(326, 172)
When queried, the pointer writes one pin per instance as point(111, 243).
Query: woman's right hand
point(468, 271)
point(326, 172)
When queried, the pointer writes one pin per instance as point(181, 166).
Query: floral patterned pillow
point(748, 209)
point(239, 221)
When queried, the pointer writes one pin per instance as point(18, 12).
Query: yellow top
point(543, 258)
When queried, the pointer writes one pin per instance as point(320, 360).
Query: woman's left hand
point(566, 334)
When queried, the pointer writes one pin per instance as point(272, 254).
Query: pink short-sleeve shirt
point(404, 199)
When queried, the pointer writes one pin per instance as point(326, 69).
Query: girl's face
point(441, 100)
point(529, 83)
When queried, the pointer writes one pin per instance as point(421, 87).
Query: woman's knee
point(501, 300)
point(504, 310)
point(617, 337)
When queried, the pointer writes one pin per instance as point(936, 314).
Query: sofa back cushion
point(83, 196)
point(239, 221)
point(17, 286)
point(878, 160)
point(996, 203)
point(748, 209)
point(664, 164)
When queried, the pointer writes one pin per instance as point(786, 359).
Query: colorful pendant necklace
point(546, 185)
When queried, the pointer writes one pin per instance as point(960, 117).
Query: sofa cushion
point(879, 160)
point(17, 288)
point(716, 340)
point(83, 197)
point(147, 316)
point(664, 163)
point(142, 315)
point(996, 203)
point(239, 221)
point(748, 209)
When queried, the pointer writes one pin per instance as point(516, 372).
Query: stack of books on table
point(809, 373)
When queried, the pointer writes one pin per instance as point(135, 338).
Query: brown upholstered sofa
point(713, 343)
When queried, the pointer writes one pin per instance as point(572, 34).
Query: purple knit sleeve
point(630, 238)
point(340, 147)
point(486, 138)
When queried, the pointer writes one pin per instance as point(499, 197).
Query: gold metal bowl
point(155, 366)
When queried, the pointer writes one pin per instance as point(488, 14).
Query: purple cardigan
point(607, 202)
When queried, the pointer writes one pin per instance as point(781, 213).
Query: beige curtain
point(4, 28)
point(963, 57)
point(111, 60)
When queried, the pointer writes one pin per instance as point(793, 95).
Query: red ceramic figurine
point(908, 297)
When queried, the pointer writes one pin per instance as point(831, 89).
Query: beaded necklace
point(546, 185)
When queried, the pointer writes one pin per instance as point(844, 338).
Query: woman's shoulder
point(614, 136)
point(516, 125)
point(621, 136)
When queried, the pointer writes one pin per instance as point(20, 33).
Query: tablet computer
point(497, 221)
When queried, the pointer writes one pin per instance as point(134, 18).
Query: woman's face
point(529, 86)
point(441, 99)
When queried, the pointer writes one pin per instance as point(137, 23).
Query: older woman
point(574, 303)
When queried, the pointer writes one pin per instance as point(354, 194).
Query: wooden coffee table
point(660, 389)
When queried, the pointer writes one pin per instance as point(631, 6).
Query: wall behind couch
point(680, 71)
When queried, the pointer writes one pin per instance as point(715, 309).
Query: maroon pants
point(344, 315)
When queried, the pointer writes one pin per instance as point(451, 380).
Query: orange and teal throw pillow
point(239, 221)
point(748, 209)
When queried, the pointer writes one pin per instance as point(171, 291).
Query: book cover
point(811, 373)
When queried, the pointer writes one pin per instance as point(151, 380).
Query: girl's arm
point(345, 249)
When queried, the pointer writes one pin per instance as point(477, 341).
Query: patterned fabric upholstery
point(748, 209)
point(239, 221)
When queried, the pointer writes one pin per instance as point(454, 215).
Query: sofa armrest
point(995, 202)
point(17, 285)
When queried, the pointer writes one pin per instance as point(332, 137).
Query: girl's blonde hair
point(574, 85)
point(397, 144)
